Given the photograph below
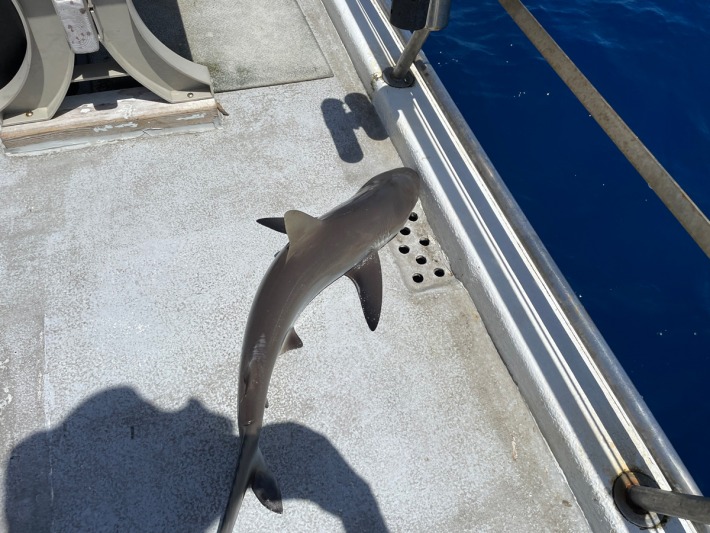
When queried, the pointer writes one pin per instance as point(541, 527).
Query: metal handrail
point(642, 502)
point(671, 194)
point(665, 502)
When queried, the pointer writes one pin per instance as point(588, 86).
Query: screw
point(190, 95)
point(29, 114)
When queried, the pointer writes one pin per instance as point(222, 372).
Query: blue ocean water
point(644, 282)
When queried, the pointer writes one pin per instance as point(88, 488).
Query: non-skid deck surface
point(250, 43)
point(126, 276)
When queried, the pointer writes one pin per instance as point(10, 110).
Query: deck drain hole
point(421, 259)
point(424, 241)
point(439, 272)
point(405, 231)
point(413, 217)
point(418, 278)
point(404, 249)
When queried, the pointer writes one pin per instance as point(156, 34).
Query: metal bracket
point(41, 83)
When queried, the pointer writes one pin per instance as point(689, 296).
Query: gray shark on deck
point(344, 241)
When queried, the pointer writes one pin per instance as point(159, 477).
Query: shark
point(343, 242)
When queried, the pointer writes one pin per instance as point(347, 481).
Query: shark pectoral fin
point(292, 341)
point(265, 486)
point(276, 224)
point(367, 277)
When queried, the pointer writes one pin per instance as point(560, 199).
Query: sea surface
point(644, 282)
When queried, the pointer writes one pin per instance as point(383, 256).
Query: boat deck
point(127, 271)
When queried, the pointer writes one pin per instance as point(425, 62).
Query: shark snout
point(401, 183)
point(409, 182)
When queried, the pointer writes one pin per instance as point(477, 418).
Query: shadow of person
point(308, 467)
point(118, 463)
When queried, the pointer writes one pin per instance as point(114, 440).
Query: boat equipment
point(422, 18)
point(55, 31)
point(636, 495)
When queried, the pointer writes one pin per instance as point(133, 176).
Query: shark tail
point(251, 472)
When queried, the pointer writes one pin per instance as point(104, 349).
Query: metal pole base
point(632, 512)
point(399, 83)
point(400, 76)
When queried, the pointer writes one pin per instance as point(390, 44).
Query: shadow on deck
point(119, 463)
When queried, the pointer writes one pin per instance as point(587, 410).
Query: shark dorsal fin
point(275, 223)
point(367, 277)
point(298, 224)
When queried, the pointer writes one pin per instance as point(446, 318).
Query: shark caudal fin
point(251, 472)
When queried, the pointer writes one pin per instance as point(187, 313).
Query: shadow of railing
point(118, 463)
point(342, 124)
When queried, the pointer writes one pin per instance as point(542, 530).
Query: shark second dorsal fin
point(298, 224)
point(292, 341)
point(276, 223)
point(367, 277)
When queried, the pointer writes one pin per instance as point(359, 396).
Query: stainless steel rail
point(667, 189)
point(640, 500)
point(664, 502)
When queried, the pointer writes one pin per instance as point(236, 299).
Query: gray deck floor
point(126, 276)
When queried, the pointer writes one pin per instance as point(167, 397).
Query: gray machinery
point(33, 85)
